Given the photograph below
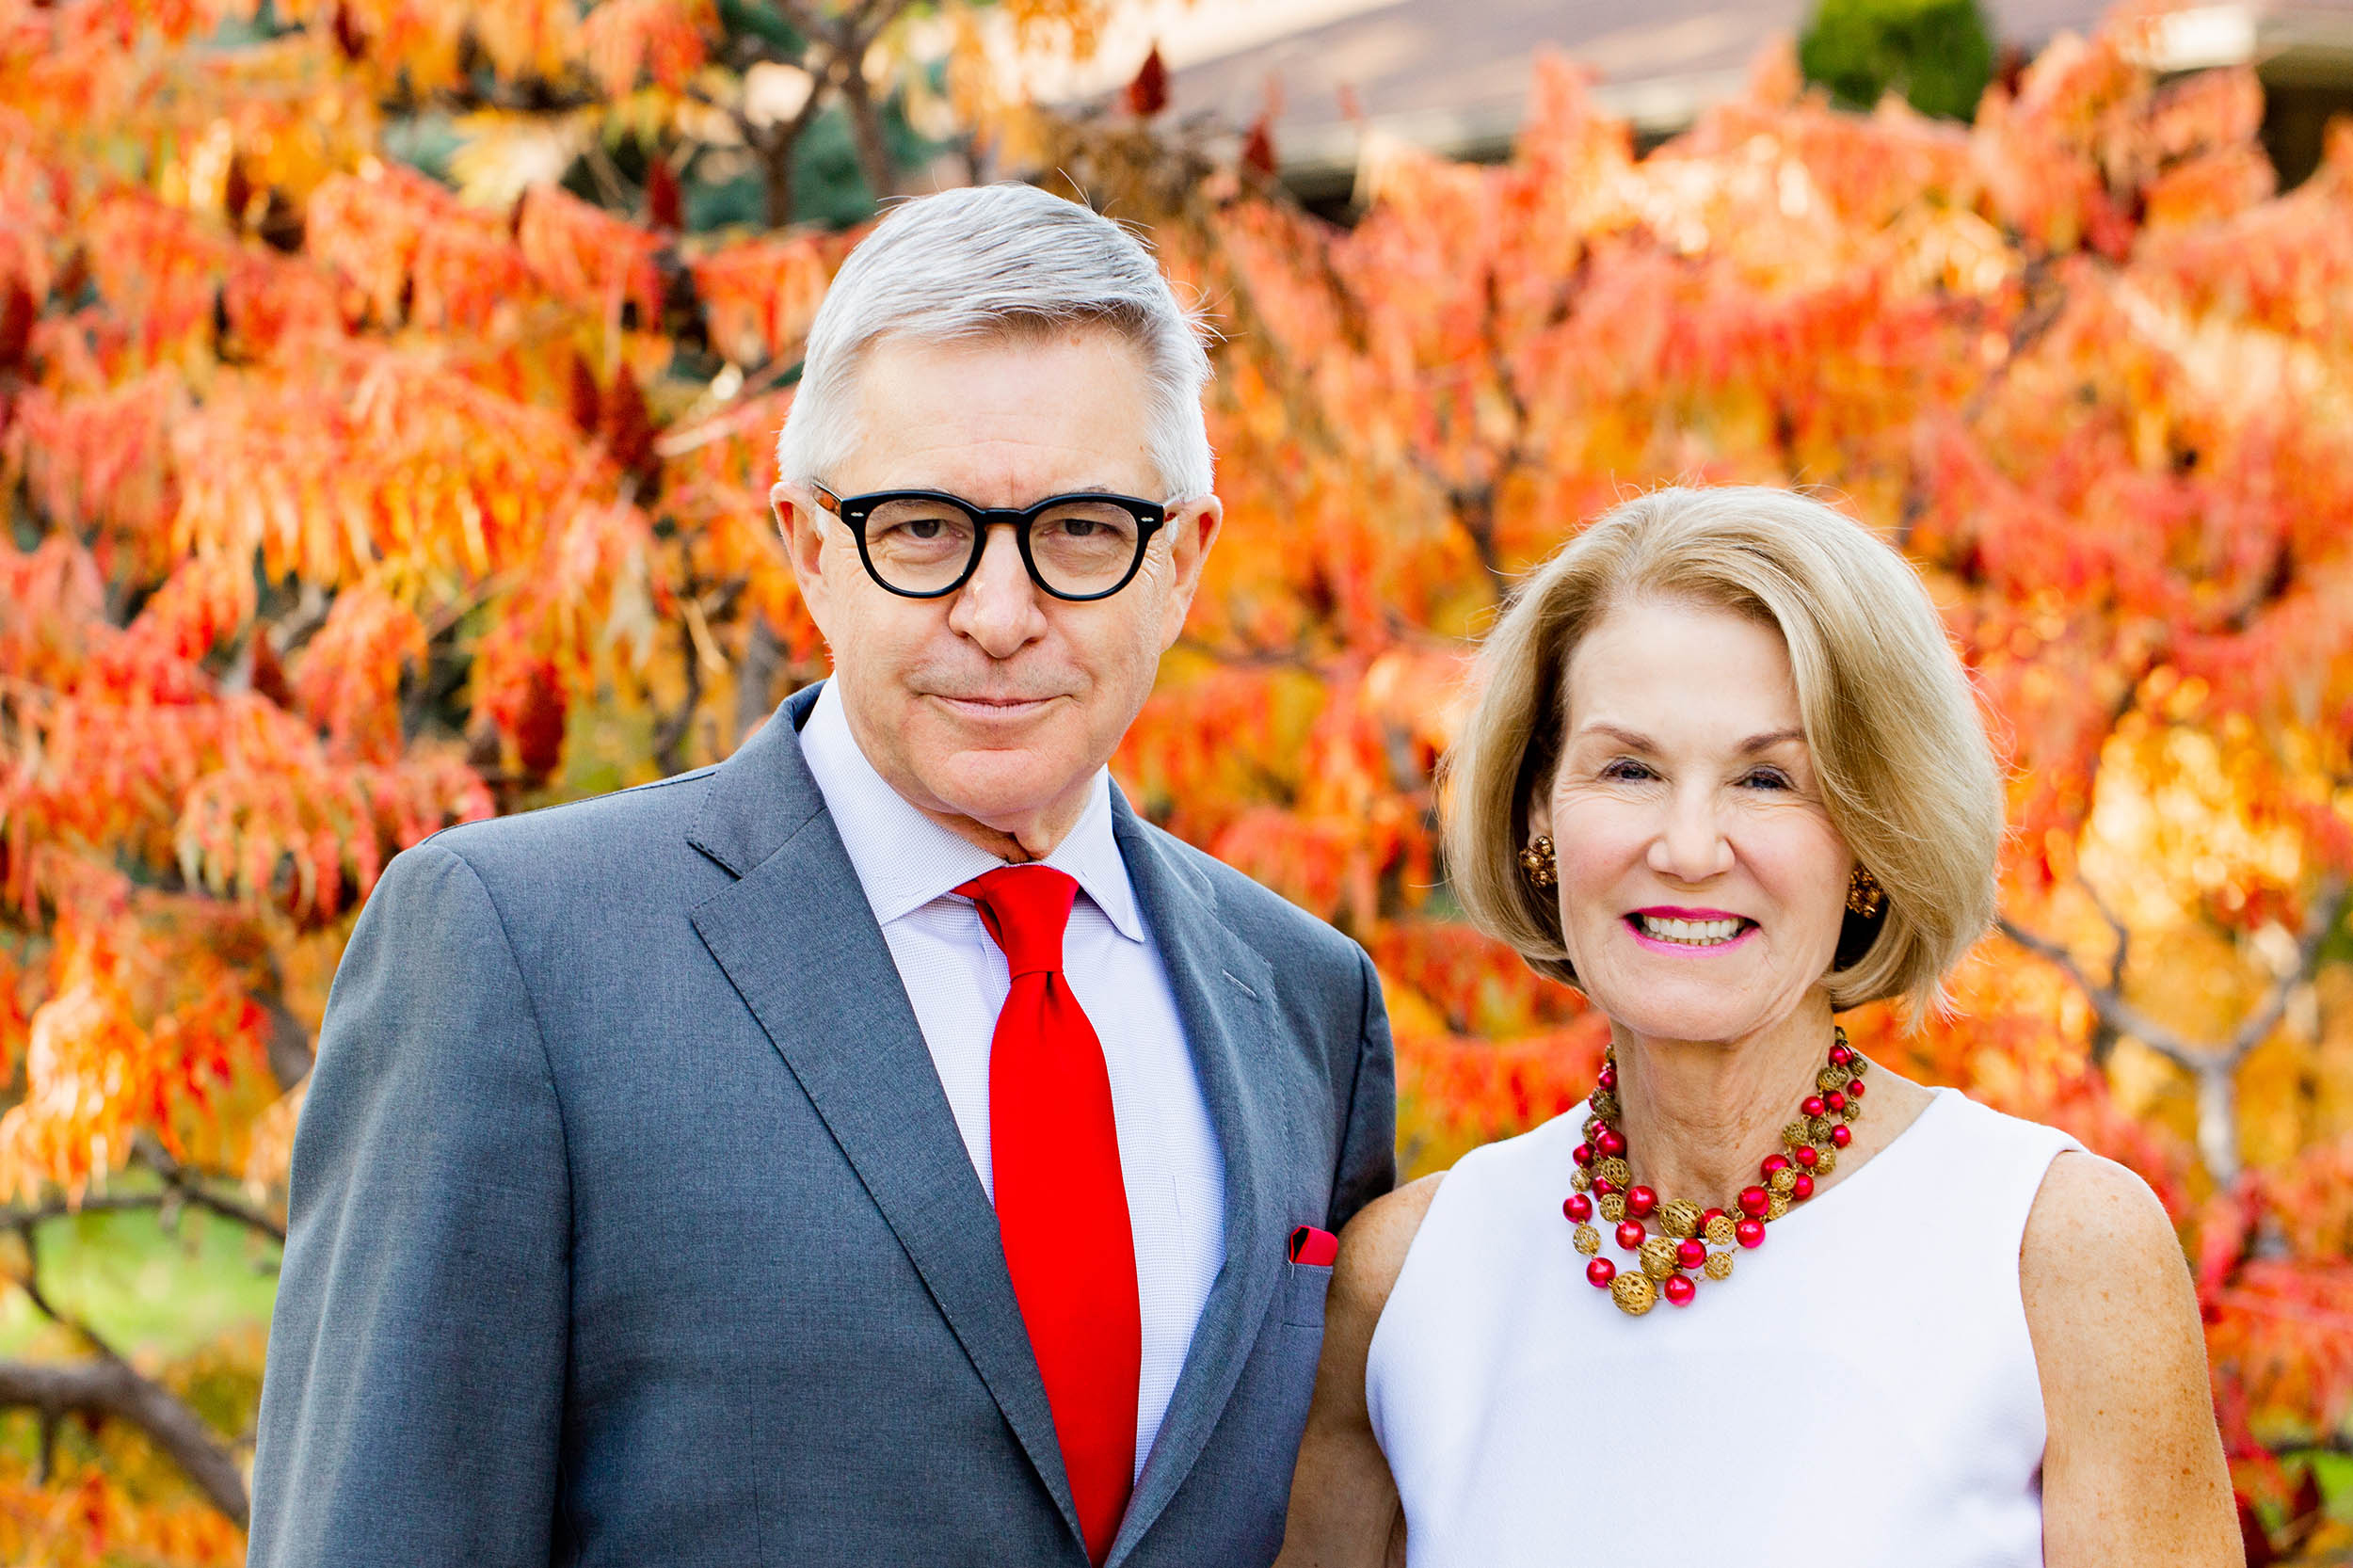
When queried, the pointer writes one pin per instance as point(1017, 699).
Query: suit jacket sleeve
point(1367, 1166)
point(411, 1409)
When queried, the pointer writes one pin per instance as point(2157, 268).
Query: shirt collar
point(903, 860)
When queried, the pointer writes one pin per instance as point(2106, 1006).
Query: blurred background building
point(1452, 78)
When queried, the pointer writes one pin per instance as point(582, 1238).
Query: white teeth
point(1696, 933)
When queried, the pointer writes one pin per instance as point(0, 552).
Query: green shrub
point(1937, 53)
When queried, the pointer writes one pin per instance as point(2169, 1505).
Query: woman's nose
point(1690, 845)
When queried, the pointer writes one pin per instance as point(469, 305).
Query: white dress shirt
point(954, 975)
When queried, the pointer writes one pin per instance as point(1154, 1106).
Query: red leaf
point(269, 676)
point(1258, 148)
point(2250, 1529)
point(16, 310)
point(539, 727)
point(665, 201)
point(1147, 95)
point(585, 403)
point(628, 430)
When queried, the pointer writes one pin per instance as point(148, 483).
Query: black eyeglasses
point(927, 544)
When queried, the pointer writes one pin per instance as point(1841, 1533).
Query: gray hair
point(993, 261)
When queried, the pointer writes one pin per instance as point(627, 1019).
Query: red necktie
point(1061, 1207)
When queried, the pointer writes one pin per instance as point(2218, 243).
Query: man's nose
point(1690, 845)
point(998, 606)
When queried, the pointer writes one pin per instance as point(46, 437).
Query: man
point(881, 1147)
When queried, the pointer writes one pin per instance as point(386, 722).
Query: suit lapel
point(798, 940)
point(1223, 990)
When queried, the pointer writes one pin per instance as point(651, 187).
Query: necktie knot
point(1026, 909)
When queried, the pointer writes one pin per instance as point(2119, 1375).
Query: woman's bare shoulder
point(1374, 1243)
point(2092, 1214)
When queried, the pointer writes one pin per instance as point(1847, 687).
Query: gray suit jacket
point(630, 1226)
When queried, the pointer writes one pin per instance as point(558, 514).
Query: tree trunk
point(2218, 1119)
point(776, 176)
point(756, 676)
point(866, 132)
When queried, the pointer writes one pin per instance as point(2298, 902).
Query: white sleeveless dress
point(1861, 1392)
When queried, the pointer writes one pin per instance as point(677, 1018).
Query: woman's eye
point(1768, 778)
point(1626, 768)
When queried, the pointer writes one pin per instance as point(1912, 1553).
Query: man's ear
point(801, 524)
point(1192, 530)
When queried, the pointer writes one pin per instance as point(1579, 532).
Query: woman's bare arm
point(1344, 1510)
point(2132, 1473)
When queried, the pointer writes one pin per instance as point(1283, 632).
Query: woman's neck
point(1698, 1116)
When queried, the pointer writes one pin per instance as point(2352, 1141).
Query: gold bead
point(1776, 1204)
point(1797, 1132)
point(1658, 1257)
point(1581, 1179)
point(1604, 1104)
point(1613, 1207)
point(1826, 1163)
point(1679, 1217)
point(1588, 1240)
point(1817, 1131)
point(1634, 1293)
point(1718, 1265)
point(1615, 1172)
point(1721, 1232)
point(1831, 1078)
point(1783, 1181)
point(1854, 1109)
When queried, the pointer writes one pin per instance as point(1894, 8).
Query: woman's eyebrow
point(1767, 742)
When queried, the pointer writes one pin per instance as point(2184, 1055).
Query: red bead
point(1692, 1251)
point(1834, 1103)
point(1640, 1201)
point(1608, 1078)
point(1749, 1233)
point(1803, 1189)
point(1582, 1154)
point(1754, 1201)
point(1579, 1208)
point(1599, 1272)
point(1811, 1106)
point(1603, 1187)
point(1775, 1164)
point(1712, 1215)
point(1630, 1233)
point(1612, 1142)
point(1840, 1056)
point(1808, 1156)
point(1854, 1090)
point(1841, 1135)
point(1679, 1290)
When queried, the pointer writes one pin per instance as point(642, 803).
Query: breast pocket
point(1305, 1285)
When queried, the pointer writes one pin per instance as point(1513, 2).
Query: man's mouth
point(1691, 928)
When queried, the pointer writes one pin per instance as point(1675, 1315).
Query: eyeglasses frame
point(854, 510)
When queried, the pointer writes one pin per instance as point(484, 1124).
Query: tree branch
point(108, 1387)
point(191, 1189)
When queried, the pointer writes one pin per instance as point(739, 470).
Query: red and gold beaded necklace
point(1602, 1180)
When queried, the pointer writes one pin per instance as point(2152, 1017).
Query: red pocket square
point(1316, 1248)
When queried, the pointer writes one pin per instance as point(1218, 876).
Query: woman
point(1758, 1301)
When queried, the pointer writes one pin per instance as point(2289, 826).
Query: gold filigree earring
point(1865, 895)
point(1538, 864)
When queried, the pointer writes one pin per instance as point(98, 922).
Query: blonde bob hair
point(1892, 723)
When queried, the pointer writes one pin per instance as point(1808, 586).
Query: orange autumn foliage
point(327, 535)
